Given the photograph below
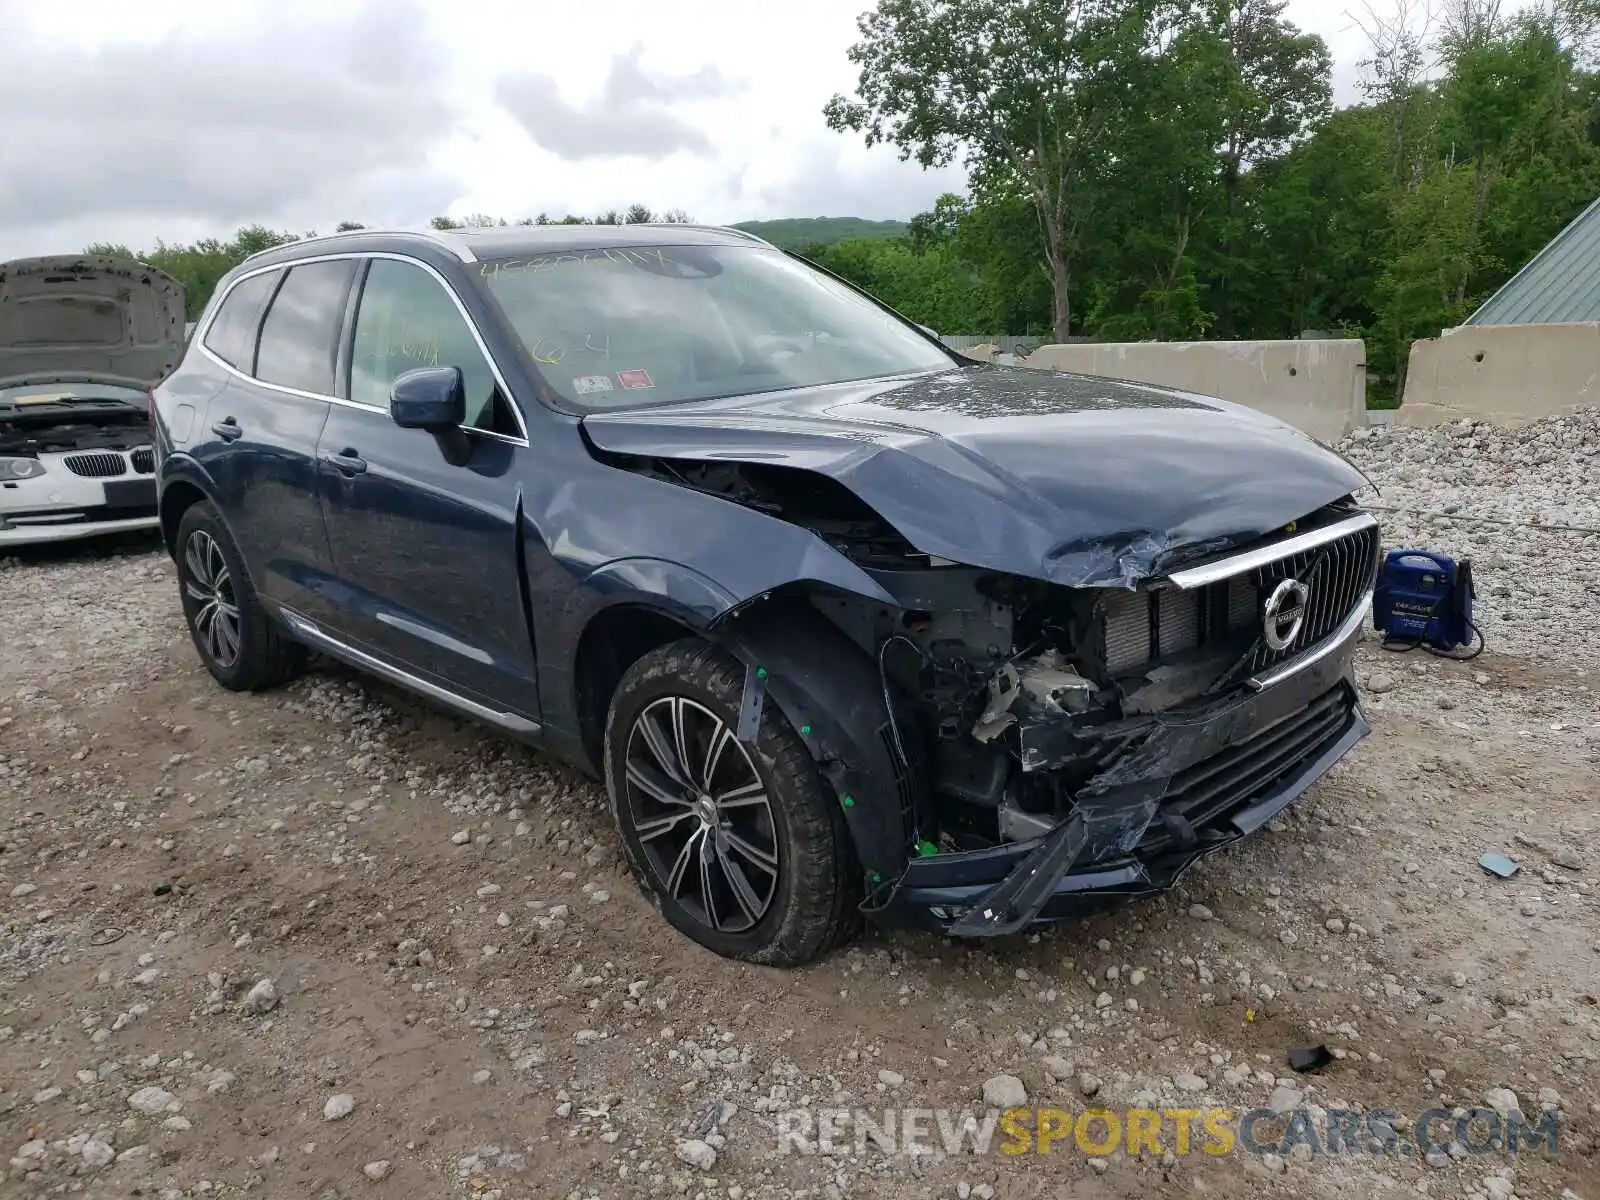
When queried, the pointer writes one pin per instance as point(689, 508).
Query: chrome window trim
point(210, 316)
point(1250, 560)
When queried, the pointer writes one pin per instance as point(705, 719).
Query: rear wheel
point(740, 845)
point(237, 641)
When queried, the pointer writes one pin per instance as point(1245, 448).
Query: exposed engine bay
point(1017, 694)
point(78, 425)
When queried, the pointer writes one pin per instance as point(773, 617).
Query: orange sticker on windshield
point(635, 379)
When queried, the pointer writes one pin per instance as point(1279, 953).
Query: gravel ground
point(329, 942)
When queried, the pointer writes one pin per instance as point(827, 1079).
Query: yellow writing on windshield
point(626, 256)
point(547, 352)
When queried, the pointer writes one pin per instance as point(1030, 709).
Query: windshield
point(627, 327)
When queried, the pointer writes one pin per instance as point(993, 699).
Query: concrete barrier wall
point(1317, 386)
point(1508, 375)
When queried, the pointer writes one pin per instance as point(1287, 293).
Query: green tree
point(1311, 226)
point(1035, 91)
point(1507, 155)
point(1273, 85)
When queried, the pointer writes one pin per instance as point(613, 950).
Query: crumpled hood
point(1069, 478)
point(88, 317)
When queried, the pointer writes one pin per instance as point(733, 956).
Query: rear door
point(426, 553)
point(278, 333)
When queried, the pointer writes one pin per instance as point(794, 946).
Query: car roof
point(514, 241)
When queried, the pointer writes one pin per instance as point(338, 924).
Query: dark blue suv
point(848, 623)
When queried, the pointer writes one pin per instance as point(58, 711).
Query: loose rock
point(261, 999)
point(697, 1154)
point(1005, 1092)
point(151, 1100)
point(338, 1107)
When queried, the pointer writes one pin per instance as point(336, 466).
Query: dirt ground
point(453, 943)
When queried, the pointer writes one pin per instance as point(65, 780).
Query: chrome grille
point(1338, 576)
point(97, 464)
point(144, 460)
point(1142, 627)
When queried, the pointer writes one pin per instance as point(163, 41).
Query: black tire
point(260, 654)
point(813, 903)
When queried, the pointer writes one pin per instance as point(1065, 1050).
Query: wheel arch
point(185, 486)
point(613, 639)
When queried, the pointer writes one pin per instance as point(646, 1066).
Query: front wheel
point(237, 641)
point(741, 846)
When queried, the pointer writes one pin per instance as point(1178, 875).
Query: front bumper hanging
point(1193, 783)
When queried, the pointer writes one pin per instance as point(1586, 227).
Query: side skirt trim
point(317, 638)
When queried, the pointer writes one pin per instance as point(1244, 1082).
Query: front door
point(425, 554)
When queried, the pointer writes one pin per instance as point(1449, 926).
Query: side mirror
point(929, 332)
point(431, 398)
point(434, 399)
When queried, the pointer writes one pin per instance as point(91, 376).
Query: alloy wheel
point(700, 811)
point(209, 589)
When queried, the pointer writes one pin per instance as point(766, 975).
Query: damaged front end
point(1049, 746)
point(1097, 632)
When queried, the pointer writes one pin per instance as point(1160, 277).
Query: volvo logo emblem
point(1284, 613)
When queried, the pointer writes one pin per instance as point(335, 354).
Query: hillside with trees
point(799, 233)
point(1173, 169)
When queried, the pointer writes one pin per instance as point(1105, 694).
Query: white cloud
point(634, 116)
point(183, 118)
point(219, 129)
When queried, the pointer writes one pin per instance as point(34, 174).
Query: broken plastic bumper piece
point(1192, 785)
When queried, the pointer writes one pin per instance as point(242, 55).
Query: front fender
point(830, 691)
point(675, 589)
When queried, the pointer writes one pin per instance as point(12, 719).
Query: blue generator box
point(1423, 598)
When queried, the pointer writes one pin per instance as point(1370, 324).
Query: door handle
point(348, 462)
point(227, 429)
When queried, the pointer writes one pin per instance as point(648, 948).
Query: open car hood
point(88, 318)
point(1074, 479)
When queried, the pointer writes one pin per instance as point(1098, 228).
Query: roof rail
point(734, 230)
point(440, 238)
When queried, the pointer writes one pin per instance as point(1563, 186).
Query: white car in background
point(83, 339)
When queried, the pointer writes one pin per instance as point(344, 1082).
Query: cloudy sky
point(173, 119)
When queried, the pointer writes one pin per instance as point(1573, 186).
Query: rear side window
point(301, 329)
point(232, 335)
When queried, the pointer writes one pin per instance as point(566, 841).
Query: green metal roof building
point(1561, 285)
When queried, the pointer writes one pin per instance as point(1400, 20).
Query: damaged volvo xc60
point(851, 626)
